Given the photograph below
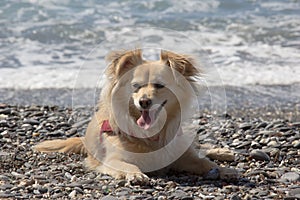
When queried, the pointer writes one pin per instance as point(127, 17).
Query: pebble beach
point(265, 145)
point(52, 59)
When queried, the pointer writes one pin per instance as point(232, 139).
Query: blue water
point(249, 42)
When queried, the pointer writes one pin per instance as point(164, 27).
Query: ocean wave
point(245, 42)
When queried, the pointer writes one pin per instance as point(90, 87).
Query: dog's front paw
point(137, 178)
point(228, 173)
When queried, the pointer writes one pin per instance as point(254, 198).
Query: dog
point(137, 127)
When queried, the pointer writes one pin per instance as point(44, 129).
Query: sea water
point(63, 43)
point(45, 43)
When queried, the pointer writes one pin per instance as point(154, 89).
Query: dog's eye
point(158, 86)
point(136, 86)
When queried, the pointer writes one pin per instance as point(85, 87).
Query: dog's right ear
point(123, 61)
point(183, 64)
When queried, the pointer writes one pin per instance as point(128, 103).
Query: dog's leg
point(191, 162)
point(70, 145)
point(118, 169)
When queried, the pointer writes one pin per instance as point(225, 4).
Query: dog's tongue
point(146, 119)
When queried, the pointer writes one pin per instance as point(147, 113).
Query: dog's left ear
point(184, 64)
point(123, 61)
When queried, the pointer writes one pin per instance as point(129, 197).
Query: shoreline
point(280, 101)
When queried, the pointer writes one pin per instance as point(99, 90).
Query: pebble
point(122, 193)
point(31, 121)
point(290, 177)
point(212, 174)
point(161, 198)
point(2, 116)
point(235, 197)
point(35, 134)
point(26, 126)
point(178, 194)
point(81, 123)
point(72, 194)
point(71, 132)
point(245, 126)
point(259, 155)
point(4, 178)
point(109, 197)
point(273, 144)
point(4, 133)
point(5, 111)
point(294, 193)
point(17, 175)
point(56, 133)
point(296, 144)
point(6, 195)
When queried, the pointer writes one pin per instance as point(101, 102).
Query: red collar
point(105, 127)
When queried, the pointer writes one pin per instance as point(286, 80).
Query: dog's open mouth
point(148, 117)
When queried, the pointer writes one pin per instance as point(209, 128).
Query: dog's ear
point(184, 64)
point(123, 61)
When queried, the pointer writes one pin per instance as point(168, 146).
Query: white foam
point(238, 48)
point(263, 64)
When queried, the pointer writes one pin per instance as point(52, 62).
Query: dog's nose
point(145, 103)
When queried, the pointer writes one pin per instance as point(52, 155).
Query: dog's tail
point(71, 145)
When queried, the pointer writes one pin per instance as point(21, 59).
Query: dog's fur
point(144, 102)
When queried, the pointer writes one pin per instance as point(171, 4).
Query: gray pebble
point(235, 197)
point(263, 193)
point(81, 123)
point(244, 145)
point(36, 192)
point(4, 133)
point(213, 174)
point(245, 126)
point(78, 189)
point(296, 124)
point(262, 125)
point(43, 190)
point(149, 191)
point(26, 126)
point(259, 155)
point(68, 175)
point(178, 194)
point(3, 123)
point(7, 195)
point(56, 133)
point(6, 186)
point(109, 197)
point(4, 178)
point(31, 121)
point(5, 111)
point(294, 193)
point(71, 132)
point(187, 198)
point(17, 175)
point(290, 177)
point(140, 197)
point(122, 193)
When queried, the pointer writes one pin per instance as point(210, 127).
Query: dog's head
point(152, 86)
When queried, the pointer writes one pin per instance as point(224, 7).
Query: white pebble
point(72, 194)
